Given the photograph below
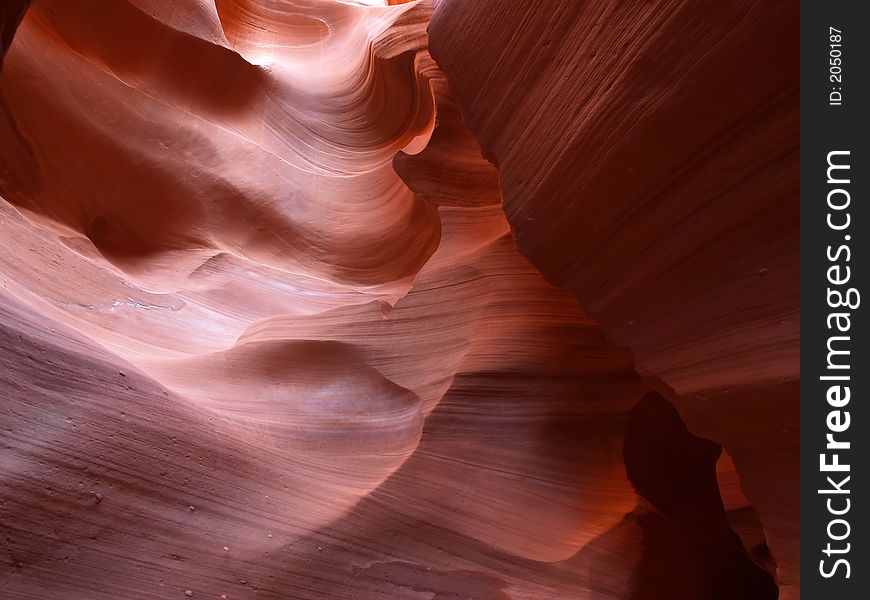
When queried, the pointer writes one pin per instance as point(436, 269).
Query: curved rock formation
point(273, 327)
point(669, 203)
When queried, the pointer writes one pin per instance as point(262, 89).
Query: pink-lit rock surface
point(668, 199)
point(273, 327)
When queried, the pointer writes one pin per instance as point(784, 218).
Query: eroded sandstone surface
point(289, 309)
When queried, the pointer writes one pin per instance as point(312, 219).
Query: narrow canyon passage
point(273, 327)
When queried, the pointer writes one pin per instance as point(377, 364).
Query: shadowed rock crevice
point(690, 551)
point(11, 13)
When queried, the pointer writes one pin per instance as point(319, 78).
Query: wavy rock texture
point(668, 203)
point(267, 332)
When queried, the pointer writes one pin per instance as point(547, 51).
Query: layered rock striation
point(288, 311)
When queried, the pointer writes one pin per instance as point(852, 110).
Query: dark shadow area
point(689, 550)
point(11, 13)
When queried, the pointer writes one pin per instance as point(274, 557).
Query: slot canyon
point(350, 300)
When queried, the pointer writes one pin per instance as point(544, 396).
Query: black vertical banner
point(835, 370)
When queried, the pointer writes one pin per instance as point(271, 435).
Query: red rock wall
point(266, 331)
point(648, 159)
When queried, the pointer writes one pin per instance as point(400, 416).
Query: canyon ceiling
point(490, 299)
